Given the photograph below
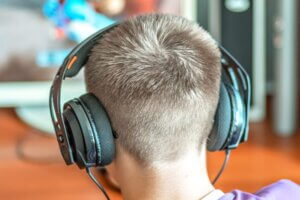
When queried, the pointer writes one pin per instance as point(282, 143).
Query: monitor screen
point(25, 33)
point(36, 35)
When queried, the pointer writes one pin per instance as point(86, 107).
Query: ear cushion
point(74, 134)
point(222, 123)
point(85, 129)
point(104, 137)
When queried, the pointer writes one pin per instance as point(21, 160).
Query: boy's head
point(158, 77)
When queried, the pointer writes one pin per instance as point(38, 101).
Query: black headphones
point(84, 131)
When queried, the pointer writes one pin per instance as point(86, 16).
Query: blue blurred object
point(77, 20)
point(51, 58)
point(76, 17)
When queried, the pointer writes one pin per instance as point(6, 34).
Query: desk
point(254, 164)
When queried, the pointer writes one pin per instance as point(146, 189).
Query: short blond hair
point(158, 77)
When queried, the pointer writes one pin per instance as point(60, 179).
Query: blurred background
point(36, 35)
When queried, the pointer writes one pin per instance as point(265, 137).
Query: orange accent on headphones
point(70, 64)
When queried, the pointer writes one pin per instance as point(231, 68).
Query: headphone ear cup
point(222, 122)
point(103, 137)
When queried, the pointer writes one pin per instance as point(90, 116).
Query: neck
point(183, 179)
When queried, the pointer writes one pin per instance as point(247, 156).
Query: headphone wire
point(227, 152)
point(97, 183)
point(88, 171)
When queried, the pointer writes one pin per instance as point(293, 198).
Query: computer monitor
point(35, 37)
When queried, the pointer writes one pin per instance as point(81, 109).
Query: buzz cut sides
point(158, 76)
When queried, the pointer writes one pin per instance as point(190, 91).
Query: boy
point(158, 77)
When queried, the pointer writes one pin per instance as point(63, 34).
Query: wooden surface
point(41, 173)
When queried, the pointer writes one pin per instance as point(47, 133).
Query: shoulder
point(283, 189)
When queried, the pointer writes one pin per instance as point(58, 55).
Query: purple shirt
point(281, 190)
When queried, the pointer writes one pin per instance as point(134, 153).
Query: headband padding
point(222, 123)
point(104, 136)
